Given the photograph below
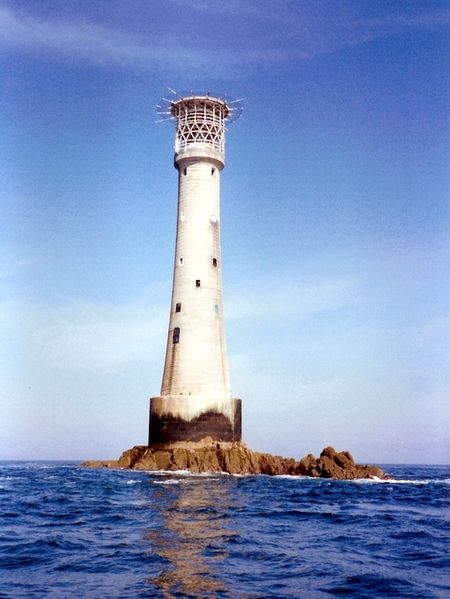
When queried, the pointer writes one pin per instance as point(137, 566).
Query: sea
point(67, 531)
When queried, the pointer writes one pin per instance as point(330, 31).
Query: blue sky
point(335, 220)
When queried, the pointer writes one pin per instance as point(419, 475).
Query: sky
point(335, 220)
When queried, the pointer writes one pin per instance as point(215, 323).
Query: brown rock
point(179, 459)
point(193, 462)
point(290, 466)
point(211, 461)
point(328, 468)
point(146, 462)
point(236, 458)
point(328, 452)
point(344, 460)
point(100, 464)
point(370, 471)
point(129, 457)
point(162, 459)
point(269, 465)
point(306, 465)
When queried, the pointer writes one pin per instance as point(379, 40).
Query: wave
point(187, 473)
point(121, 533)
point(169, 481)
point(402, 481)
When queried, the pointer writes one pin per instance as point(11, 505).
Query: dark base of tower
point(166, 428)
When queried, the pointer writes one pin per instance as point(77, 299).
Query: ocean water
point(72, 532)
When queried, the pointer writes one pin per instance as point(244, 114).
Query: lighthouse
point(196, 404)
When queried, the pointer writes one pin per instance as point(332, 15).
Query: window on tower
point(185, 171)
point(214, 261)
point(197, 283)
point(178, 307)
point(180, 260)
point(176, 335)
point(213, 170)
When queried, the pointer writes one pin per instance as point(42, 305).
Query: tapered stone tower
point(196, 401)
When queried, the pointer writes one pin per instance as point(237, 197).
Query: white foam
point(169, 481)
point(186, 473)
point(392, 481)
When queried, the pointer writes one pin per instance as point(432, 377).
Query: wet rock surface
point(236, 458)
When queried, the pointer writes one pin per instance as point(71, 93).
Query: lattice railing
point(200, 121)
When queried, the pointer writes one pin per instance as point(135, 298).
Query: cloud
point(10, 268)
point(280, 33)
point(91, 42)
point(82, 336)
point(286, 11)
point(290, 299)
point(104, 46)
point(230, 8)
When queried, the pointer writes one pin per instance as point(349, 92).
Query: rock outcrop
point(236, 458)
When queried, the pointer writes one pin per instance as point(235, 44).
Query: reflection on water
point(191, 533)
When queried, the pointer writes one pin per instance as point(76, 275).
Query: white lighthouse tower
point(195, 401)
